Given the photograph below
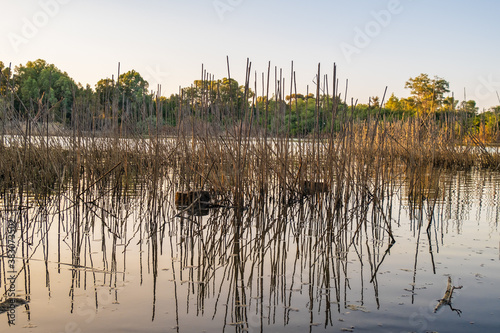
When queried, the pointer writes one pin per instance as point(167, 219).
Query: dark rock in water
point(9, 303)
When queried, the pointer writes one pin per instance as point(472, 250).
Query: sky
point(374, 43)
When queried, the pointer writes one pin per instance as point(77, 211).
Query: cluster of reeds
point(230, 145)
point(243, 186)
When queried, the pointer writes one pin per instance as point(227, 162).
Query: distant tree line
point(41, 92)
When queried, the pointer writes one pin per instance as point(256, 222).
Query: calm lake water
point(130, 261)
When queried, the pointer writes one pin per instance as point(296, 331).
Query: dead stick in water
point(446, 300)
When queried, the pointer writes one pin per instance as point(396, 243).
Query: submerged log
point(195, 203)
point(184, 199)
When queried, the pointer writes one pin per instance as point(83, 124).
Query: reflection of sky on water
point(291, 290)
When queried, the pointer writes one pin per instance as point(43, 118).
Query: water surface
point(121, 259)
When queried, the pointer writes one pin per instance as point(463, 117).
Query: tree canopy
point(133, 86)
point(39, 83)
point(5, 75)
point(427, 93)
point(38, 88)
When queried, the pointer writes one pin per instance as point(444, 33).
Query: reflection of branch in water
point(387, 251)
point(430, 216)
point(429, 238)
point(415, 268)
point(175, 285)
point(374, 269)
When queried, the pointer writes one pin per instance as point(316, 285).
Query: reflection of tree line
point(250, 261)
point(445, 196)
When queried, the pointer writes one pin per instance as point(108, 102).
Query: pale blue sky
point(375, 43)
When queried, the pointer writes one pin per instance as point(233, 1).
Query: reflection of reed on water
point(263, 257)
point(252, 265)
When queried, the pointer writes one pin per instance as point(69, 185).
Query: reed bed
point(240, 153)
point(331, 193)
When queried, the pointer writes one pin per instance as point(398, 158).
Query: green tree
point(449, 104)
point(106, 92)
point(5, 75)
point(393, 103)
point(42, 85)
point(225, 94)
point(409, 104)
point(469, 106)
point(293, 97)
point(306, 122)
point(170, 107)
point(427, 93)
point(104, 88)
point(375, 102)
point(134, 102)
point(133, 86)
point(495, 109)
